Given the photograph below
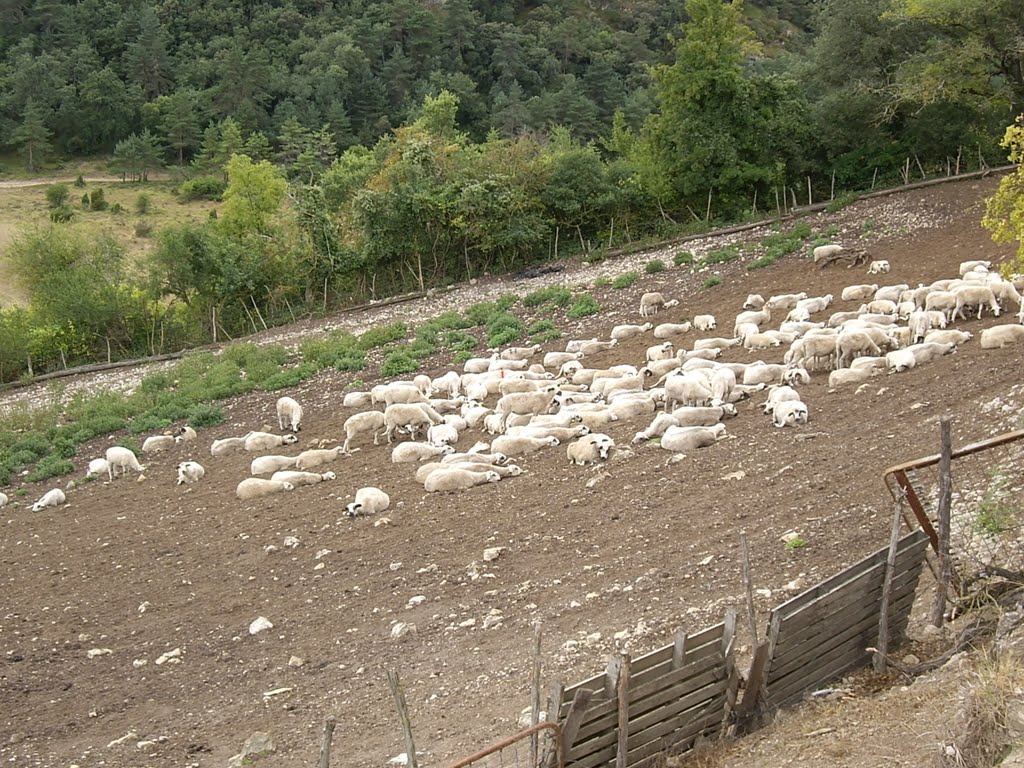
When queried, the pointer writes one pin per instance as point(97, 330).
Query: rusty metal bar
point(525, 734)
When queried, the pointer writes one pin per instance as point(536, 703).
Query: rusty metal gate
point(539, 746)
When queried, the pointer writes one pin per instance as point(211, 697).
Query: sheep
point(789, 413)
point(1006, 292)
point(652, 303)
point(761, 341)
point(757, 317)
point(531, 403)
point(406, 453)
point(916, 354)
point(450, 383)
point(919, 324)
point(227, 446)
point(900, 360)
point(508, 365)
point(594, 346)
point(810, 349)
point(519, 353)
point(302, 478)
point(815, 304)
point(941, 301)
point(754, 301)
point(255, 487)
point(625, 410)
point(597, 419)
point(123, 459)
point(825, 251)
point(878, 267)
point(623, 332)
point(589, 449)
point(410, 416)
point(723, 382)
point(657, 428)
point(491, 457)
point(686, 389)
point(779, 394)
point(3, 499)
point(358, 423)
point(184, 434)
point(659, 368)
point(97, 467)
point(477, 364)
point(190, 472)
point(562, 433)
point(52, 498)
point(998, 336)
point(290, 412)
point(317, 456)
point(264, 441)
point(849, 376)
point(879, 307)
point(785, 301)
point(517, 445)
point(268, 465)
point(798, 315)
point(424, 384)
point(457, 479)
point(891, 292)
point(663, 351)
point(156, 443)
point(710, 353)
point(974, 266)
point(443, 434)
point(974, 296)
point(558, 359)
point(854, 343)
point(680, 439)
point(369, 501)
point(763, 373)
point(858, 292)
point(951, 336)
point(704, 322)
point(715, 343)
point(668, 330)
point(474, 465)
point(402, 393)
point(357, 400)
point(708, 416)
point(876, 364)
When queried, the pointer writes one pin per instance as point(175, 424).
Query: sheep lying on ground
point(289, 412)
point(184, 434)
point(974, 266)
point(474, 465)
point(663, 351)
point(850, 376)
point(517, 445)
point(407, 453)
point(779, 394)
point(789, 413)
point(97, 467)
point(784, 301)
point(268, 465)
point(682, 439)
point(369, 501)
point(317, 456)
point(704, 322)
point(668, 330)
point(123, 459)
point(754, 301)
point(519, 353)
point(302, 478)
point(156, 443)
point(3, 499)
point(457, 479)
point(998, 336)
point(562, 433)
point(950, 336)
point(623, 332)
point(358, 399)
point(52, 498)
point(227, 446)
point(878, 267)
point(190, 472)
point(858, 292)
point(255, 487)
point(652, 303)
point(444, 433)
point(264, 441)
point(589, 449)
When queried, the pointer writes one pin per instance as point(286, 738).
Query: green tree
point(137, 155)
point(254, 193)
point(1004, 211)
point(147, 59)
point(179, 122)
point(33, 136)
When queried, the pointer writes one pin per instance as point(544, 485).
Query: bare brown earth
point(141, 568)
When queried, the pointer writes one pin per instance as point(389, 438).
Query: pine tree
point(32, 135)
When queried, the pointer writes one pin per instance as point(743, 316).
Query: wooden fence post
point(749, 586)
point(325, 743)
point(535, 693)
point(879, 660)
point(623, 698)
point(945, 498)
point(403, 717)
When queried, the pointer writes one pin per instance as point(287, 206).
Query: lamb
point(928, 351)
point(919, 323)
point(289, 412)
point(623, 332)
point(779, 394)
point(52, 498)
point(951, 336)
point(668, 330)
point(444, 433)
point(255, 487)
point(974, 296)
point(424, 384)
point(663, 351)
point(264, 441)
point(358, 399)
point(508, 365)
point(974, 266)
point(723, 382)
point(359, 423)
point(531, 403)
point(184, 434)
point(474, 465)
point(652, 303)
point(876, 364)
point(754, 301)
point(410, 416)
point(798, 315)
point(825, 251)
point(123, 459)
point(704, 322)
point(268, 465)
point(406, 453)
point(937, 319)
point(858, 292)
point(660, 368)
point(156, 443)
point(589, 449)
point(317, 456)
point(302, 478)
point(97, 467)
point(517, 445)
point(681, 439)
point(690, 416)
point(369, 501)
point(998, 336)
point(878, 267)
point(227, 446)
point(190, 472)
point(519, 353)
point(457, 479)
point(794, 376)
point(711, 353)
point(789, 413)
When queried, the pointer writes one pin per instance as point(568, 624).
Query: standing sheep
point(97, 467)
point(652, 303)
point(289, 412)
point(123, 459)
point(358, 423)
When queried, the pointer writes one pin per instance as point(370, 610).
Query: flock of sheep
point(683, 392)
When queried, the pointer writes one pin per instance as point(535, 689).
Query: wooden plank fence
point(825, 631)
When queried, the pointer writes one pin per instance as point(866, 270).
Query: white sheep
point(851, 344)
point(369, 501)
point(359, 423)
point(255, 487)
point(704, 322)
point(623, 332)
point(519, 353)
point(478, 364)
point(289, 412)
point(97, 467)
point(406, 453)
point(411, 417)
point(978, 296)
point(268, 465)
point(589, 449)
point(658, 426)
point(264, 441)
point(941, 301)
point(663, 351)
point(789, 413)
point(523, 403)
point(850, 376)
point(3, 499)
point(784, 300)
point(562, 433)
point(681, 439)
point(227, 446)
point(880, 307)
point(450, 383)
point(444, 433)
point(517, 445)
point(484, 454)
point(184, 434)
point(754, 301)
point(401, 393)
point(52, 498)
point(950, 336)
point(815, 304)
point(891, 292)
point(317, 456)
point(919, 323)
point(358, 399)
point(457, 479)
point(123, 459)
point(779, 394)
point(794, 376)
point(558, 359)
point(998, 336)
point(156, 443)
point(858, 292)
point(298, 478)
point(687, 389)
point(878, 267)
point(723, 382)
point(594, 346)
point(825, 251)
point(651, 303)
point(703, 416)
point(974, 266)
point(190, 472)
point(628, 409)
point(669, 330)
point(763, 373)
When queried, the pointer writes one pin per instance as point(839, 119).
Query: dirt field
point(142, 568)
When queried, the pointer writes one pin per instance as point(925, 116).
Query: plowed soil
point(142, 568)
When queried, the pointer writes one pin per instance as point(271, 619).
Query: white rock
point(291, 542)
point(276, 692)
point(381, 521)
point(394, 566)
point(592, 639)
point(493, 619)
point(620, 636)
point(402, 628)
point(137, 663)
point(143, 607)
point(146, 746)
point(127, 737)
point(270, 549)
point(259, 624)
point(493, 553)
point(296, 661)
point(322, 553)
point(789, 536)
point(467, 623)
point(172, 655)
point(416, 600)
point(94, 652)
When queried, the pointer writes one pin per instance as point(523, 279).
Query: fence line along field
point(127, 613)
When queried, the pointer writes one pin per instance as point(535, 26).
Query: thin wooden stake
point(403, 717)
point(611, 232)
point(707, 216)
point(777, 211)
point(874, 176)
point(890, 571)
point(945, 497)
point(832, 190)
point(623, 700)
point(213, 322)
point(251, 318)
point(753, 208)
point(535, 692)
point(810, 200)
point(749, 586)
point(959, 152)
point(258, 314)
point(919, 166)
point(325, 743)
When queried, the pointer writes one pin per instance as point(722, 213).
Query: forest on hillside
point(364, 148)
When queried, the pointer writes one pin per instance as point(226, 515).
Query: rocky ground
point(98, 593)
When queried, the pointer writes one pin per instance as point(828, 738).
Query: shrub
point(85, 201)
point(461, 356)
point(683, 257)
point(325, 352)
point(602, 282)
point(142, 204)
point(50, 466)
point(721, 255)
point(202, 188)
point(625, 280)
point(205, 415)
point(796, 543)
point(80, 181)
point(763, 261)
point(543, 330)
point(143, 228)
point(398, 362)
point(62, 215)
point(385, 334)
point(654, 266)
point(842, 201)
point(116, 208)
point(712, 281)
point(503, 328)
point(460, 341)
point(147, 423)
point(58, 195)
point(97, 201)
point(584, 306)
point(558, 295)
point(352, 362)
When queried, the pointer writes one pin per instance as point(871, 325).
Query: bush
point(683, 257)
point(721, 255)
point(205, 415)
point(202, 188)
point(542, 331)
point(116, 208)
point(584, 306)
point(356, 361)
point(289, 377)
point(85, 201)
point(602, 282)
point(460, 341)
point(558, 295)
point(761, 262)
point(97, 201)
point(479, 314)
point(62, 215)
point(385, 334)
point(143, 228)
point(58, 195)
point(503, 328)
point(51, 466)
point(142, 204)
point(842, 201)
point(712, 281)
point(80, 181)
point(654, 266)
point(147, 423)
point(625, 280)
point(398, 362)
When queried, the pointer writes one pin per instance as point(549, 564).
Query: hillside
point(141, 568)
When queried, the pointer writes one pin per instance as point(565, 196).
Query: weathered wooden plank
point(694, 654)
point(572, 722)
point(622, 729)
point(839, 666)
point(908, 542)
point(755, 681)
